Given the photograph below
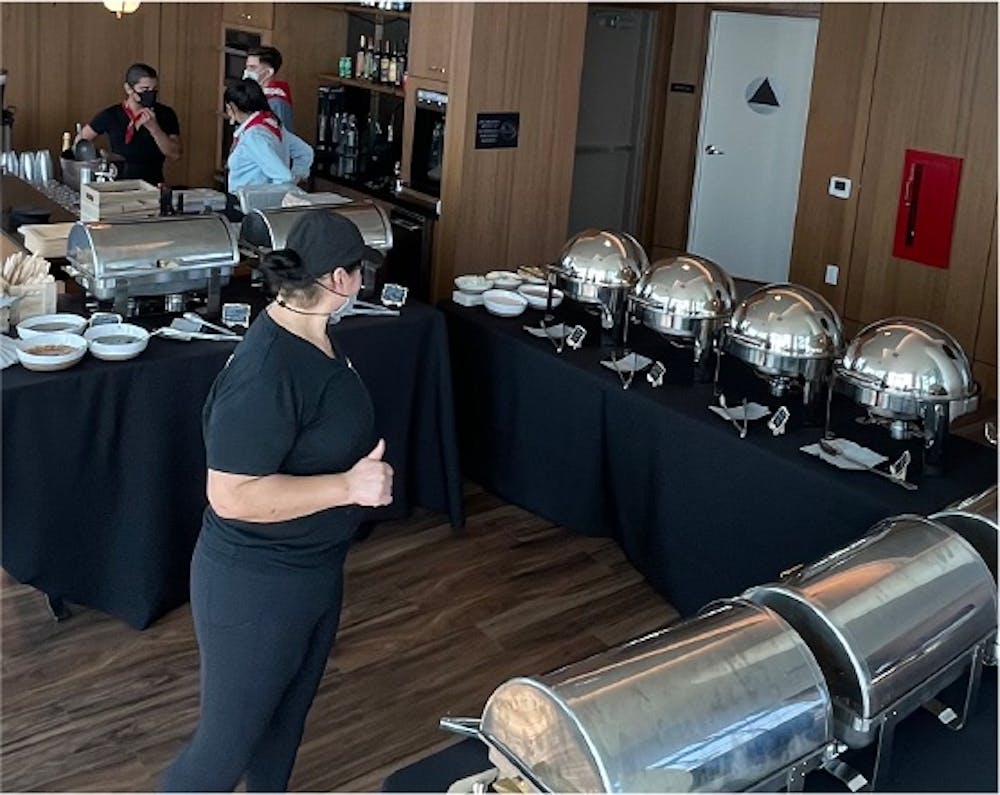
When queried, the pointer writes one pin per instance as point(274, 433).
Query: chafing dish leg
point(846, 774)
point(883, 751)
point(936, 421)
point(213, 307)
point(121, 297)
point(946, 714)
point(57, 607)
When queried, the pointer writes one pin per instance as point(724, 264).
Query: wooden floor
point(432, 624)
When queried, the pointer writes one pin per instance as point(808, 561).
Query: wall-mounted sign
point(762, 95)
point(682, 88)
point(497, 130)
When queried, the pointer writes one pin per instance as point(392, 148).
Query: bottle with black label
point(383, 76)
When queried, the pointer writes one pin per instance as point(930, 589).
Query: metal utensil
point(742, 429)
point(836, 452)
point(196, 318)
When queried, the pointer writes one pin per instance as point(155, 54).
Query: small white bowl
point(505, 280)
point(473, 284)
point(504, 303)
point(116, 342)
point(30, 351)
point(62, 323)
point(538, 295)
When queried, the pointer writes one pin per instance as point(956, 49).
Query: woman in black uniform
point(291, 452)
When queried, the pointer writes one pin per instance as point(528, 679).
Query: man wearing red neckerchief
point(262, 65)
point(139, 129)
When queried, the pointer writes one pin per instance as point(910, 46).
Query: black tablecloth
point(926, 757)
point(700, 512)
point(104, 466)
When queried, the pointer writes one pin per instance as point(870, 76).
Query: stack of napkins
point(8, 352)
point(632, 363)
point(752, 411)
point(854, 456)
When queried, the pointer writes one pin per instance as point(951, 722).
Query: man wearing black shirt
point(140, 129)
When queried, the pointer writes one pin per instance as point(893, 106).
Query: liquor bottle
point(321, 119)
point(351, 146)
point(67, 141)
point(370, 60)
point(383, 76)
point(393, 76)
point(401, 65)
point(360, 60)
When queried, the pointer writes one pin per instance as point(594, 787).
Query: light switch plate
point(840, 187)
point(832, 275)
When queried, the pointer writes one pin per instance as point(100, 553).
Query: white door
point(755, 102)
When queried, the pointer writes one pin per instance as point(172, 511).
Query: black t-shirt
point(282, 406)
point(143, 158)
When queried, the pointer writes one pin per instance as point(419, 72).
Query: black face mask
point(147, 98)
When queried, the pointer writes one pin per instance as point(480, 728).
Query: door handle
point(713, 150)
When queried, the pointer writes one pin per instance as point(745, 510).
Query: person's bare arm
point(170, 145)
point(277, 498)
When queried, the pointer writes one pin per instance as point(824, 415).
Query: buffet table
point(104, 468)
point(700, 512)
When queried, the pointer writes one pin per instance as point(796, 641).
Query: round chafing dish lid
point(688, 286)
point(912, 357)
point(603, 257)
point(790, 320)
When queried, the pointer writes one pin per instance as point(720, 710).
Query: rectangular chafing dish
point(153, 257)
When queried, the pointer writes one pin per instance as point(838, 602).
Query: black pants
point(264, 638)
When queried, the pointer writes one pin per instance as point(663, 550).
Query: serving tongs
point(365, 308)
point(741, 429)
point(835, 452)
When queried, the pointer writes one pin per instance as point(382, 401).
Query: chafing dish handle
point(471, 727)
point(751, 342)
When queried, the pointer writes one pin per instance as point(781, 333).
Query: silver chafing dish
point(154, 257)
point(789, 335)
point(685, 298)
point(730, 700)
point(975, 519)
point(598, 268)
point(913, 377)
point(267, 230)
point(892, 619)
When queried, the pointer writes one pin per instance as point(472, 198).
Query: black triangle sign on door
point(764, 95)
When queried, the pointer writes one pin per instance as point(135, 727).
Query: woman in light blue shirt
point(263, 152)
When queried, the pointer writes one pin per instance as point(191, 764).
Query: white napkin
point(852, 449)
point(752, 411)
point(632, 363)
point(555, 332)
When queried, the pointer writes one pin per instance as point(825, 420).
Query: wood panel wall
point(505, 207)
point(66, 61)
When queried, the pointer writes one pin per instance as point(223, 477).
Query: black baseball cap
point(325, 241)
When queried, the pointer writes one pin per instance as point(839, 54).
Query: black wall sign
point(497, 130)
point(683, 88)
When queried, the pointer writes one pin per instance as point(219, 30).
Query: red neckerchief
point(261, 118)
point(130, 130)
point(280, 89)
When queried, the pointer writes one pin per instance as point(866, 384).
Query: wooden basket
point(46, 240)
point(131, 198)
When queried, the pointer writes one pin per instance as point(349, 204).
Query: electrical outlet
point(832, 274)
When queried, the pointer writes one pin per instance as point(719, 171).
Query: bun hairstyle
point(246, 95)
point(287, 275)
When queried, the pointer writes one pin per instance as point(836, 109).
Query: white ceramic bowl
point(473, 284)
point(116, 342)
point(30, 351)
point(538, 295)
point(504, 303)
point(504, 280)
point(62, 323)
